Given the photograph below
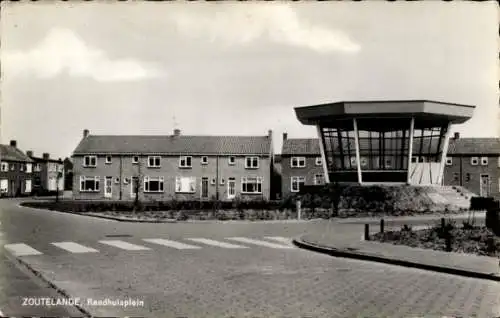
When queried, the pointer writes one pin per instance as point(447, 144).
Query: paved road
point(217, 270)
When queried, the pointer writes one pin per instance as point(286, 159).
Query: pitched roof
point(301, 146)
point(464, 146)
point(10, 153)
point(174, 145)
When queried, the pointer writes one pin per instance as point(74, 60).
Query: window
point(135, 159)
point(251, 162)
point(117, 180)
point(12, 167)
point(212, 182)
point(467, 177)
point(185, 184)
point(126, 181)
point(21, 167)
point(353, 161)
point(4, 186)
point(318, 161)
point(5, 166)
point(298, 162)
point(222, 181)
point(388, 162)
point(185, 162)
point(297, 182)
point(89, 184)
point(449, 161)
point(474, 161)
point(153, 184)
point(204, 160)
point(232, 160)
point(108, 159)
point(154, 161)
point(38, 168)
point(251, 185)
point(363, 161)
point(414, 159)
point(90, 161)
point(319, 179)
point(484, 161)
point(455, 176)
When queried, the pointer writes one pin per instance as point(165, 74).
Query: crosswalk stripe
point(257, 242)
point(174, 244)
point(21, 249)
point(279, 239)
point(215, 243)
point(124, 245)
point(74, 247)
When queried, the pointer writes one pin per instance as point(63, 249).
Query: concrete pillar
point(410, 148)
point(323, 155)
point(356, 138)
point(444, 153)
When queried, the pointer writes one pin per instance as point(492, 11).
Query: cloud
point(62, 50)
point(244, 23)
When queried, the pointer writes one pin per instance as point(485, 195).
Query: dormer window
point(154, 161)
point(318, 161)
point(108, 159)
point(204, 160)
point(474, 161)
point(90, 161)
point(298, 162)
point(484, 161)
point(449, 161)
point(135, 159)
point(185, 162)
point(232, 160)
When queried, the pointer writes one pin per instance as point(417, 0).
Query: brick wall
point(308, 172)
point(123, 167)
point(16, 178)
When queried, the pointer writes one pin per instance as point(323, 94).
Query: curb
point(24, 265)
point(345, 253)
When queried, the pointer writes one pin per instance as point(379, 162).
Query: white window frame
point(222, 181)
point(4, 185)
point(97, 181)
point(117, 180)
point(298, 162)
point(4, 166)
point(296, 180)
point(231, 160)
point(38, 167)
point(258, 180)
point(108, 161)
point(183, 162)
point(474, 161)
point(321, 176)
point(135, 161)
point(12, 167)
point(192, 184)
point(484, 161)
point(155, 163)
point(353, 161)
point(126, 180)
point(213, 181)
point(161, 184)
point(89, 163)
point(449, 161)
point(252, 160)
point(204, 160)
point(318, 161)
point(21, 167)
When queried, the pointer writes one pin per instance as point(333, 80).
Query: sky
point(236, 68)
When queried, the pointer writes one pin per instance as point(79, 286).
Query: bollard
point(367, 232)
point(382, 226)
point(298, 210)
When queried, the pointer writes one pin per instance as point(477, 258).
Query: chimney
point(29, 153)
point(285, 136)
point(13, 143)
point(457, 136)
point(270, 133)
point(85, 133)
point(46, 155)
point(177, 132)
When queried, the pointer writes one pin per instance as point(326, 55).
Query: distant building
point(15, 171)
point(474, 163)
point(175, 166)
point(48, 174)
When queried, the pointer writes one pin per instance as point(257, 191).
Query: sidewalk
point(352, 246)
point(429, 217)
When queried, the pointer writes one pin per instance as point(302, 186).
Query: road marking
point(21, 249)
point(177, 245)
point(257, 242)
point(280, 239)
point(74, 247)
point(215, 243)
point(124, 245)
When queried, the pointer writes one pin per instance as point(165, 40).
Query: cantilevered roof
point(425, 109)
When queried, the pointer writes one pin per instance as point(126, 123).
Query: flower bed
point(464, 239)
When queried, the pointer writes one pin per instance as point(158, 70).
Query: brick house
point(48, 173)
point(172, 167)
point(474, 163)
point(15, 171)
point(300, 164)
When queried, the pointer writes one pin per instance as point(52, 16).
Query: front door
point(204, 188)
point(485, 185)
point(231, 188)
point(108, 187)
point(134, 183)
point(27, 187)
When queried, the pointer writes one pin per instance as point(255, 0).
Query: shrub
point(493, 221)
point(482, 203)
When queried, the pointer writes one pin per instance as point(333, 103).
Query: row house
point(474, 163)
point(16, 171)
point(160, 168)
point(48, 173)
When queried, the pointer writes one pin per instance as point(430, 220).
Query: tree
point(59, 176)
point(137, 187)
point(334, 191)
